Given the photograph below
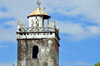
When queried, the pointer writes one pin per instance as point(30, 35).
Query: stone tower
point(38, 44)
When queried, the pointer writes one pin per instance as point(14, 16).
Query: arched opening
point(35, 52)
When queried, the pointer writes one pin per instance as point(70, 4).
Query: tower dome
point(39, 12)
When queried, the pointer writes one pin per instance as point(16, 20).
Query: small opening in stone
point(50, 33)
point(35, 52)
point(21, 34)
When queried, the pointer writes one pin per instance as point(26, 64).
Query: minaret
point(38, 45)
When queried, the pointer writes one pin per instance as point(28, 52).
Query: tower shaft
point(38, 44)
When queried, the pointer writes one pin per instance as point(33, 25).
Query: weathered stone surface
point(46, 52)
point(38, 45)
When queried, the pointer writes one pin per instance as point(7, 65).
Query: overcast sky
point(78, 21)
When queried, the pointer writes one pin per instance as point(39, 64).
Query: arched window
point(35, 51)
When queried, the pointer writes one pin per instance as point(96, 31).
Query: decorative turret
point(37, 17)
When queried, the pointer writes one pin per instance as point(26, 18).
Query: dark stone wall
point(46, 52)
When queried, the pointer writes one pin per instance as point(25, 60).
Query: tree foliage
point(97, 64)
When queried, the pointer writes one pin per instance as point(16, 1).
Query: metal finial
point(38, 3)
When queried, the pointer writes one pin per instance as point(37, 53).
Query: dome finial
point(38, 3)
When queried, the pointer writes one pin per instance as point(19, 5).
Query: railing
point(36, 29)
